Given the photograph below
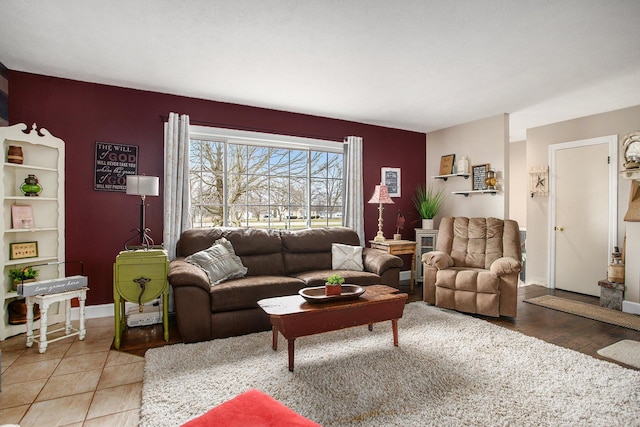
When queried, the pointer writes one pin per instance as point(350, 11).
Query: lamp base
point(379, 237)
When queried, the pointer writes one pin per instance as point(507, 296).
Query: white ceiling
point(409, 64)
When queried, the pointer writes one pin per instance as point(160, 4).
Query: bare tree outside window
point(267, 187)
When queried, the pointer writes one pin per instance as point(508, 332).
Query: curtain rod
point(196, 122)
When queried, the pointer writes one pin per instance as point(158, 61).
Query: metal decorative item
point(631, 144)
point(490, 181)
point(539, 184)
point(31, 186)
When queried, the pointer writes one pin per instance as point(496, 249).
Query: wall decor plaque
point(23, 250)
point(113, 163)
point(478, 175)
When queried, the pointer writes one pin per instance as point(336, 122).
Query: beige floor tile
point(29, 371)
point(13, 415)
point(55, 350)
point(121, 374)
point(80, 363)
point(20, 393)
point(13, 343)
point(58, 412)
point(121, 419)
point(101, 322)
point(120, 358)
point(115, 399)
point(91, 344)
point(70, 384)
point(9, 357)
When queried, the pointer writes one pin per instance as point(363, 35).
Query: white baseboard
point(631, 307)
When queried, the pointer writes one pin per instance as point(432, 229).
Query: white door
point(583, 212)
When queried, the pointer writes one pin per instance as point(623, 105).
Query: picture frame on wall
point(391, 178)
point(446, 164)
point(23, 250)
point(478, 175)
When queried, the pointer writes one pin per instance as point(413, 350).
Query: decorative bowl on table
point(316, 294)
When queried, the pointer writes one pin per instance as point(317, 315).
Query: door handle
point(558, 228)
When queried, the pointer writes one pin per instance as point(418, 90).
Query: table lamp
point(381, 197)
point(143, 186)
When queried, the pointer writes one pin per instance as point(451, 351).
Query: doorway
point(583, 212)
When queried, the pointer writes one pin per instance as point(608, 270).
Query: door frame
point(612, 141)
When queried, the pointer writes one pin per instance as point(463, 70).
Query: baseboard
point(631, 307)
point(97, 311)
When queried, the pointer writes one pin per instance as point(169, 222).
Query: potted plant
point(333, 286)
point(428, 203)
point(22, 275)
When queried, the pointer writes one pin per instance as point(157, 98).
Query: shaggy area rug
point(590, 311)
point(449, 370)
point(625, 351)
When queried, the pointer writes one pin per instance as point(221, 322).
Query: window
point(245, 179)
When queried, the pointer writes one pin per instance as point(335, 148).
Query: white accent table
point(44, 301)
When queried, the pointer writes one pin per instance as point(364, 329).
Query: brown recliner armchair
point(475, 267)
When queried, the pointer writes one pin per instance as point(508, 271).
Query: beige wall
point(539, 139)
point(518, 185)
point(481, 141)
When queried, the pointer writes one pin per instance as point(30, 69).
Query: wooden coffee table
point(294, 317)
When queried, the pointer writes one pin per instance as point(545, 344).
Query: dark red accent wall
point(98, 223)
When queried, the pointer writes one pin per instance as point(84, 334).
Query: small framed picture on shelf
point(23, 250)
point(391, 178)
point(446, 164)
point(22, 216)
point(478, 175)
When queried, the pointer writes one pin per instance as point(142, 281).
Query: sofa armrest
point(182, 273)
point(437, 259)
point(505, 265)
point(377, 261)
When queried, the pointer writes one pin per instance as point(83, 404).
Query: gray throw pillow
point(220, 262)
point(346, 257)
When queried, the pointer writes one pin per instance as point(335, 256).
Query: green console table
point(140, 276)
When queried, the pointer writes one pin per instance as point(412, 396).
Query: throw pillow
point(346, 257)
point(220, 262)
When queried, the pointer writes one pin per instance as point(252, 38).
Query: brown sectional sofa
point(279, 262)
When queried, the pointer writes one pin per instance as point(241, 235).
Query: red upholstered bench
point(251, 409)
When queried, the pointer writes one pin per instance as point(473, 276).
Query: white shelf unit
point(44, 156)
point(425, 242)
point(469, 192)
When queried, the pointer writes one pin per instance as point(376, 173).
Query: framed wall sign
point(446, 164)
point(113, 163)
point(391, 178)
point(478, 175)
point(23, 250)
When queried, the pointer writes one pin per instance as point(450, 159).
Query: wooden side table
point(140, 276)
point(44, 301)
point(399, 247)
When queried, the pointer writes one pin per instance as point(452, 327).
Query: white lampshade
point(142, 185)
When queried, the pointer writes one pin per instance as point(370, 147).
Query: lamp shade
point(381, 195)
point(142, 185)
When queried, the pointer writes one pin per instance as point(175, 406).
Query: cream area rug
point(625, 351)
point(590, 311)
point(449, 370)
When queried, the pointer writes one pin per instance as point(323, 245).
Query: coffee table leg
point(394, 326)
point(274, 339)
point(291, 346)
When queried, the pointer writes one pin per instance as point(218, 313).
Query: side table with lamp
point(140, 272)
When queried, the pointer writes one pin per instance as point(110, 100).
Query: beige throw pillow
point(220, 262)
point(346, 257)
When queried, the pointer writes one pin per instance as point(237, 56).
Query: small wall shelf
point(631, 173)
point(467, 193)
point(451, 175)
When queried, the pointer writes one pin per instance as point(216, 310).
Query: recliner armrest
point(505, 265)
point(437, 259)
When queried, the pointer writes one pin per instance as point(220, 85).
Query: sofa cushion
point(306, 250)
point(219, 262)
point(464, 279)
point(245, 292)
point(351, 277)
point(346, 257)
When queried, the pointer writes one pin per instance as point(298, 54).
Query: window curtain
point(353, 203)
point(177, 197)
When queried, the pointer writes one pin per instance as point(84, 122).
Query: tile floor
point(74, 383)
